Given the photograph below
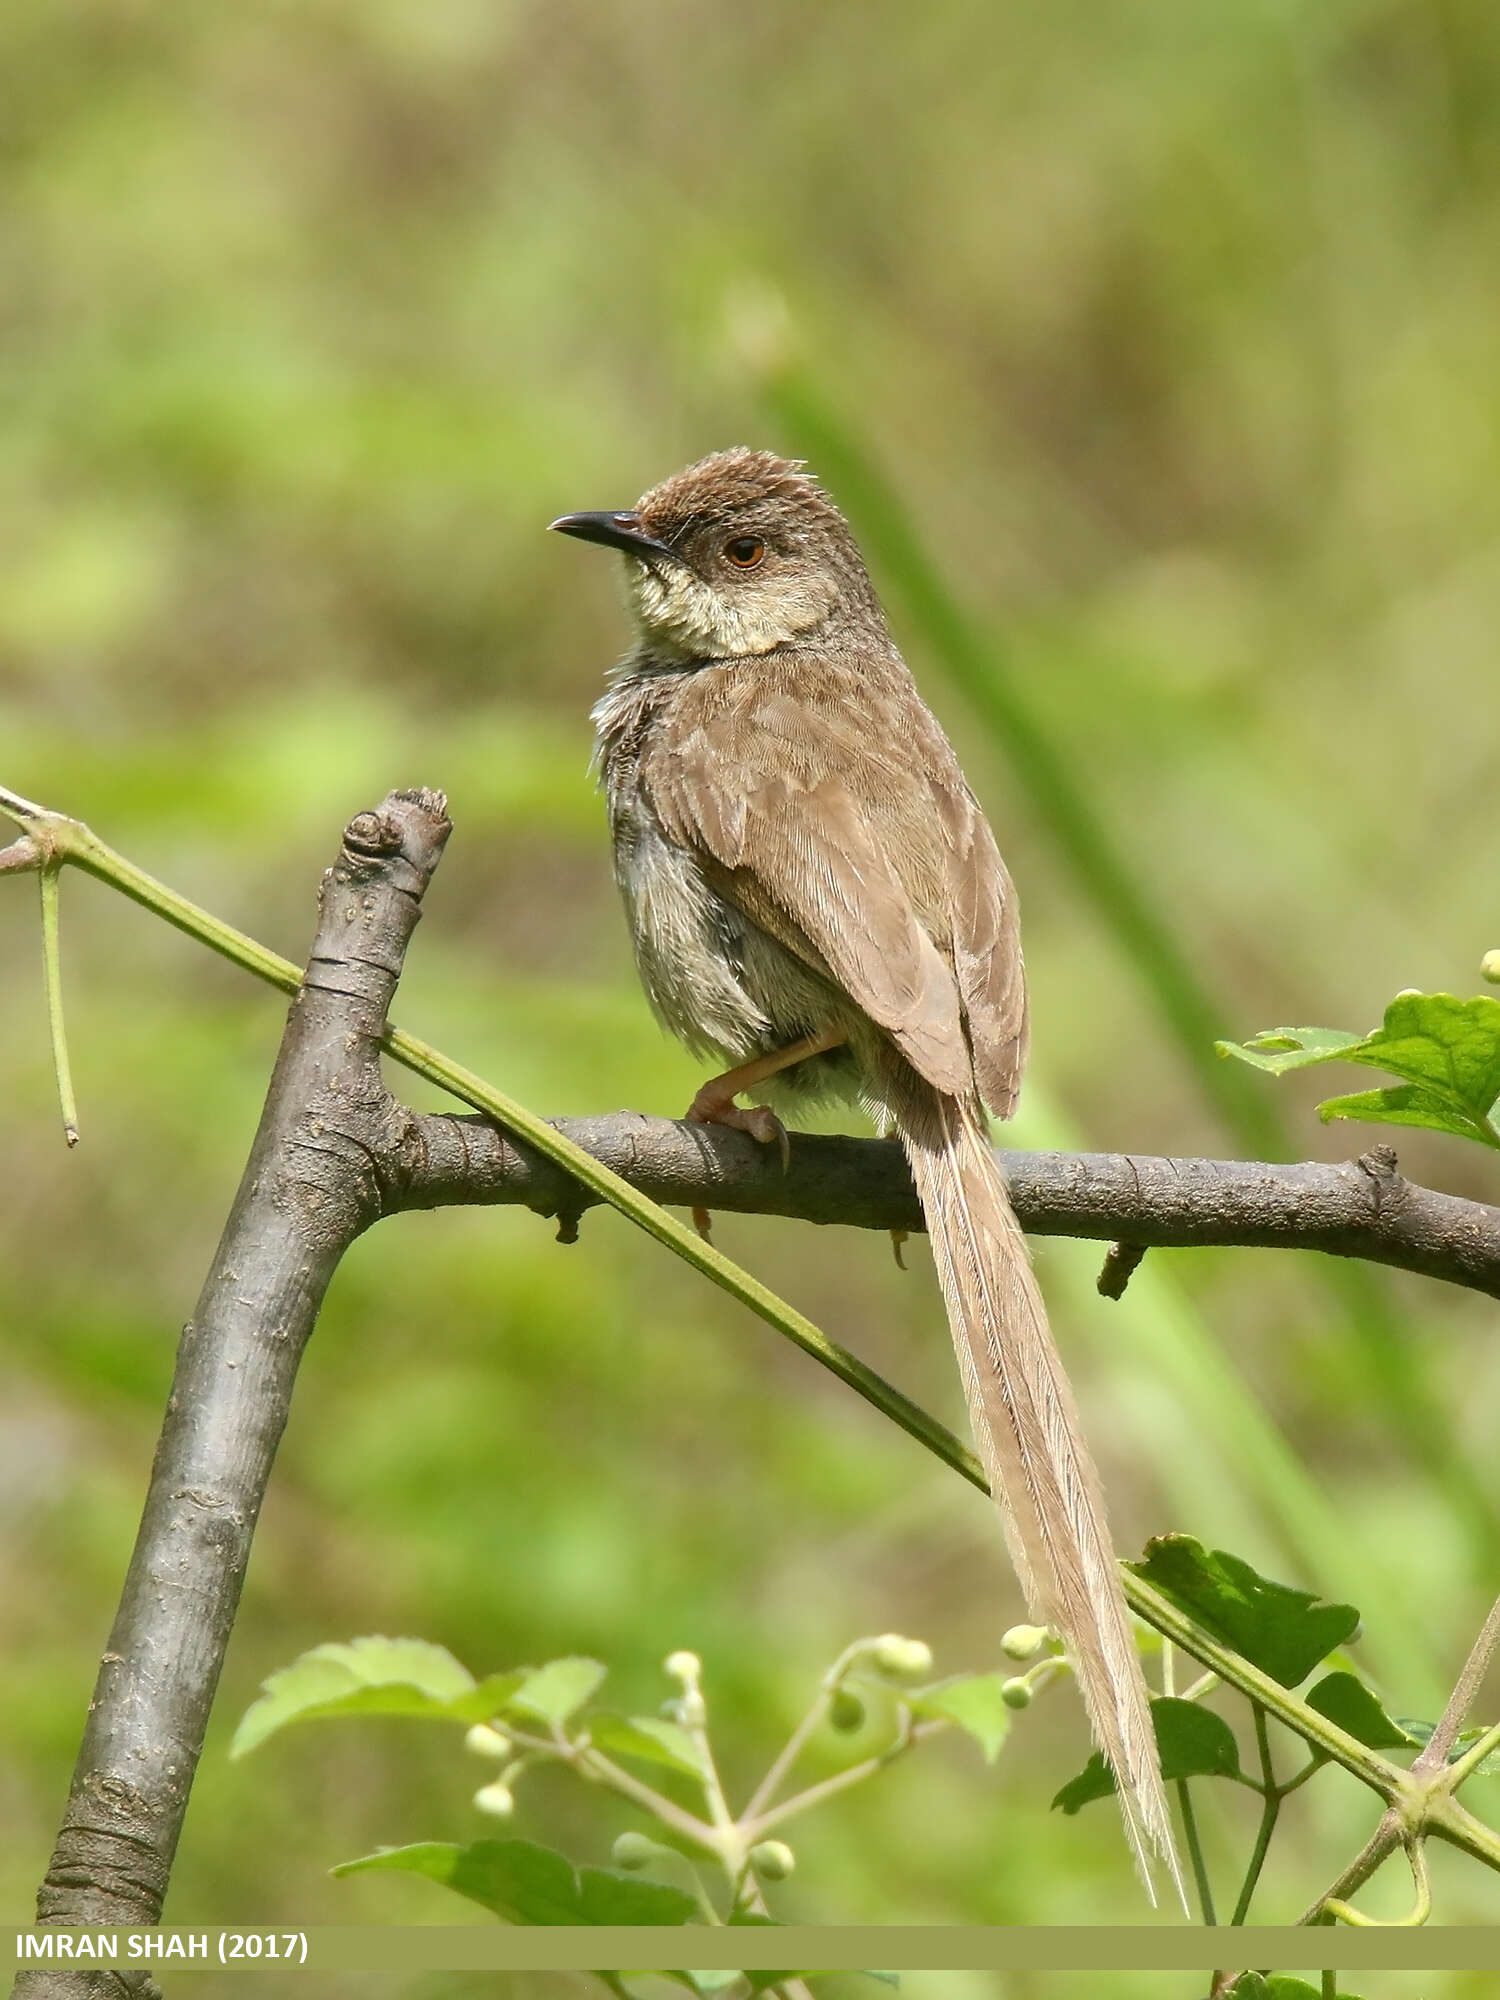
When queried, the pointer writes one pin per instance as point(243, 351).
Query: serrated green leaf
point(1284, 1631)
point(1446, 1050)
point(1280, 1049)
point(370, 1676)
point(975, 1704)
point(1345, 1699)
point(1407, 1104)
point(650, 1738)
point(605, 1897)
point(527, 1883)
point(558, 1690)
point(488, 1697)
point(1191, 1742)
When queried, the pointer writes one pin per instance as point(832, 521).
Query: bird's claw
point(758, 1120)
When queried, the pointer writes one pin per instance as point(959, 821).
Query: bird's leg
point(715, 1105)
point(887, 1130)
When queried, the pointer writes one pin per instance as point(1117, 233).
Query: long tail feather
point(1027, 1433)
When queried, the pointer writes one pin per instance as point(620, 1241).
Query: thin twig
point(1269, 1812)
point(1434, 1752)
point(1194, 1847)
point(855, 1774)
point(1383, 1842)
point(20, 857)
point(1464, 1767)
point(52, 973)
point(792, 1749)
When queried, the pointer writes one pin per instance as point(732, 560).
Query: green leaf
point(649, 1738)
point(759, 1981)
point(488, 1698)
point(1276, 1986)
point(975, 1704)
point(1403, 1104)
point(1281, 1049)
point(1279, 1629)
point(558, 1690)
point(605, 1897)
point(361, 1677)
point(1191, 1742)
point(710, 1983)
point(1446, 1050)
point(1346, 1700)
point(529, 1884)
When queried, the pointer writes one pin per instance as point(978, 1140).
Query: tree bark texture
point(308, 1190)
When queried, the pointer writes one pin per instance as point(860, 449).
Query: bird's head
point(739, 554)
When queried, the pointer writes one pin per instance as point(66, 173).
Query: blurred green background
point(1166, 339)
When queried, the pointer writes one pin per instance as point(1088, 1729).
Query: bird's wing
point(986, 922)
point(786, 810)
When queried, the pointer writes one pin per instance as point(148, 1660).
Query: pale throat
point(679, 618)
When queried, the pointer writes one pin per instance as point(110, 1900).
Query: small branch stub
point(21, 856)
point(1121, 1261)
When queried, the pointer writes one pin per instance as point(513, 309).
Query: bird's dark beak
point(615, 531)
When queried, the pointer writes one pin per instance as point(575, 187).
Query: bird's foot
point(712, 1107)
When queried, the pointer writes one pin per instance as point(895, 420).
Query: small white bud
point(684, 1667)
point(496, 1800)
point(632, 1850)
point(1489, 967)
point(1021, 1641)
point(772, 1860)
point(1016, 1693)
point(903, 1659)
point(486, 1741)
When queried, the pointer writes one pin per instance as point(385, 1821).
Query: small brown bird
point(817, 902)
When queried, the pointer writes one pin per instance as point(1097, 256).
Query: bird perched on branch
point(818, 904)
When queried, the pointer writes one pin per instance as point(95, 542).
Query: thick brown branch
point(1352, 1208)
point(308, 1190)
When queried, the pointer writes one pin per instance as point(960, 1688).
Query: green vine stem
point(52, 973)
point(1422, 1800)
point(1271, 1797)
point(1194, 1847)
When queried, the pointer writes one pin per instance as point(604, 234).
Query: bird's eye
point(745, 551)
